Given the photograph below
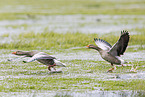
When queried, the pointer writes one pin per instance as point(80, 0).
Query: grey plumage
point(112, 53)
point(42, 57)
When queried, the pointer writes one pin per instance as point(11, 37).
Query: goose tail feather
point(58, 63)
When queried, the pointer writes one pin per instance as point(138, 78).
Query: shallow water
point(68, 73)
point(100, 24)
point(124, 93)
point(84, 55)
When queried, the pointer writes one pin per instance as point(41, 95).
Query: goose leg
point(115, 67)
point(54, 67)
point(111, 69)
point(51, 66)
point(111, 64)
point(133, 69)
point(122, 65)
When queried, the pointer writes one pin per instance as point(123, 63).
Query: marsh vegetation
point(63, 30)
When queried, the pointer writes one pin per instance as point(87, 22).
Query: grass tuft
point(52, 40)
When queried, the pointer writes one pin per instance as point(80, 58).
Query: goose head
point(90, 46)
point(18, 53)
point(23, 53)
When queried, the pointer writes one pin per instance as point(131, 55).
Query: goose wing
point(40, 56)
point(102, 44)
point(120, 46)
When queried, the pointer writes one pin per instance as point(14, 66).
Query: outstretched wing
point(120, 46)
point(40, 56)
point(102, 44)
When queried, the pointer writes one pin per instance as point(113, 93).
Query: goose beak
point(87, 46)
point(14, 53)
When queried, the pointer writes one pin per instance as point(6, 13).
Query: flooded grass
point(67, 84)
point(80, 75)
point(63, 28)
point(85, 71)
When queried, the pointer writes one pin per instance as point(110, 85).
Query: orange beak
point(14, 53)
point(87, 46)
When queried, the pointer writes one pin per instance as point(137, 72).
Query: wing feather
point(120, 46)
point(40, 56)
point(102, 44)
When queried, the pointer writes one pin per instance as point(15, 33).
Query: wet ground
point(85, 68)
point(80, 63)
point(101, 24)
point(133, 58)
point(119, 75)
point(74, 94)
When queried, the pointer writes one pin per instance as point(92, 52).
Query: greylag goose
point(112, 53)
point(42, 57)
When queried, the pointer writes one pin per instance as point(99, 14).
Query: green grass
point(135, 84)
point(68, 84)
point(46, 83)
point(79, 75)
point(51, 40)
point(17, 8)
point(73, 78)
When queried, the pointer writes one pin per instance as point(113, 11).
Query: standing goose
point(112, 53)
point(42, 57)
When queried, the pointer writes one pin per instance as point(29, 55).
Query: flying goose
point(112, 53)
point(42, 57)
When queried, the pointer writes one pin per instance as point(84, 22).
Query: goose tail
point(58, 63)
